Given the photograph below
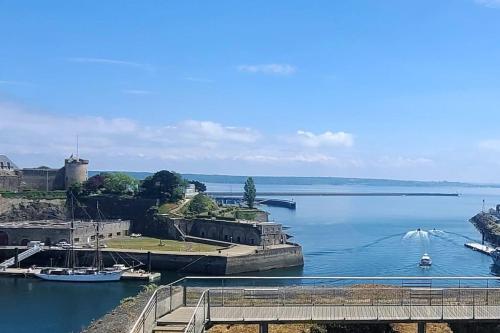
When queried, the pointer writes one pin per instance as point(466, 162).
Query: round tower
point(75, 170)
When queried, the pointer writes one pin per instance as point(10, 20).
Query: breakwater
point(333, 194)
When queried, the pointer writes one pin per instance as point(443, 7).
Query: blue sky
point(385, 89)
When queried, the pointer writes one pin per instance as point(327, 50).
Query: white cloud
point(137, 92)
point(489, 3)
point(215, 131)
point(34, 132)
point(118, 62)
point(125, 143)
point(275, 69)
point(327, 138)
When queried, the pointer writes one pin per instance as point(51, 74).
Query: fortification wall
point(43, 179)
point(263, 260)
point(220, 230)
point(21, 236)
point(126, 208)
point(10, 182)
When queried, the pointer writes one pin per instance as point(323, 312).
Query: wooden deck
point(389, 313)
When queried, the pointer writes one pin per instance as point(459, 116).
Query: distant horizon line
point(449, 182)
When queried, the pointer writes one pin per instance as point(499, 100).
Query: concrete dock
point(480, 248)
point(128, 275)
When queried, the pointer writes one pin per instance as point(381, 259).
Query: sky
point(359, 88)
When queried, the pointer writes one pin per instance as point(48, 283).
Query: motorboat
point(425, 261)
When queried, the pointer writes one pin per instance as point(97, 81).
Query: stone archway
point(4, 238)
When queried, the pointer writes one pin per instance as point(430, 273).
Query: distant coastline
point(285, 180)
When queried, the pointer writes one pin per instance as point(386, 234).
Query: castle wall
point(10, 182)
point(43, 179)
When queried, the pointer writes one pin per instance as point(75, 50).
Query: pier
point(333, 194)
point(236, 200)
point(480, 248)
point(193, 304)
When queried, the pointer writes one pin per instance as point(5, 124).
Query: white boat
point(79, 275)
point(425, 261)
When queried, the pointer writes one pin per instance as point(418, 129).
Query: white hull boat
point(425, 261)
point(79, 275)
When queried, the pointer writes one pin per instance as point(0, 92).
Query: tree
point(164, 185)
point(250, 192)
point(198, 186)
point(119, 183)
point(94, 184)
point(200, 204)
point(75, 191)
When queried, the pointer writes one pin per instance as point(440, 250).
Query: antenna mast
point(77, 148)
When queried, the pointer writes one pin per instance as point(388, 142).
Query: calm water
point(342, 236)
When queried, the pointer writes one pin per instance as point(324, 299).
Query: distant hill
point(268, 180)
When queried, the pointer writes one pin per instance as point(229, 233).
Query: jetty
point(332, 194)
point(193, 304)
point(236, 200)
point(480, 248)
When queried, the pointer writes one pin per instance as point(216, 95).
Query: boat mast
point(97, 253)
point(71, 229)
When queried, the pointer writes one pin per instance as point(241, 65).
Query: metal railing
point(238, 299)
point(164, 300)
point(201, 314)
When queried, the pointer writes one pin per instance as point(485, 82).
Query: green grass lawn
point(153, 244)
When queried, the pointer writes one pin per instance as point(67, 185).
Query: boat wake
point(418, 234)
point(351, 249)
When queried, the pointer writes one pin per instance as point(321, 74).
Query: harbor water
point(341, 236)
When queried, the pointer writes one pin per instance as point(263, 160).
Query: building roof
point(7, 161)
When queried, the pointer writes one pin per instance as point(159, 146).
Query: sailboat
point(82, 274)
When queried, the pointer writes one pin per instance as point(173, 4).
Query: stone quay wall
point(183, 263)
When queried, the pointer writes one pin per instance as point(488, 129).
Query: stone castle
point(14, 179)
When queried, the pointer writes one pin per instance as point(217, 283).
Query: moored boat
point(79, 275)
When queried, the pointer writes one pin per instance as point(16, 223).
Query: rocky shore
point(122, 318)
point(489, 226)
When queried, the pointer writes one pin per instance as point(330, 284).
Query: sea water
point(340, 235)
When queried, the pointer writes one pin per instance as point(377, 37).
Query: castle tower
point(75, 170)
